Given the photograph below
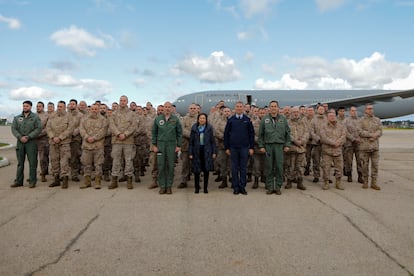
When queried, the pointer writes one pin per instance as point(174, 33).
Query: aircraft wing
point(370, 98)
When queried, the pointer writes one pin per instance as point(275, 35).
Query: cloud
point(12, 23)
point(402, 83)
point(78, 41)
point(326, 5)
point(243, 36)
point(252, 8)
point(286, 82)
point(139, 83)
point(32, 92)
point(217, 68)
point(373, 72)
point(99, 88)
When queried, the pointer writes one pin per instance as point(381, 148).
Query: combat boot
point(87, 182)
point(162, 191)
point(129, 183)
point(114, 183)
point(300, 185)
point(325, 185)
point(223, 183)
point(249, 177)
point(137, 179)
point(154, 183)
point(43, 178)
point(106, 177)
point(168, 191)
point(65, 182)
point(256, 183)
point(349, 177)
point(97, 182)
point(123, 179)
point(218, 178)
point(338, 184)
point(374, 184)
point(288, 184)
point(307, 172)
point(182, 185)
point(360, 178)
point(365, 183)
point(56, 182)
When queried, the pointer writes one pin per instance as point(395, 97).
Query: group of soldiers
point(119, 142)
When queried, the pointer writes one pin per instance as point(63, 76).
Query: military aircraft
point(387, 103)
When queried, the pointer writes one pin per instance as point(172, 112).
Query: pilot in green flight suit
point(166, 142)
point(26, 127)
point(274, 140)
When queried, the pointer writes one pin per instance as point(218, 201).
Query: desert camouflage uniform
point(316, 124)
point(223, 160)
point(351, 146)
point(330, 134)
point(299, 135)
point(258, 156)
point(95, 126)
point(75, 144)
point(369, 127)
point(141, 141)
point(187, 122)
point(60, 125)
point(43, 145)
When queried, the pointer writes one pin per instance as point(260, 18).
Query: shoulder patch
point(20, 119)
point(161, 122)
point(267, 121)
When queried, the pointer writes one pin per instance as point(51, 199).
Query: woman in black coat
point(202, 150)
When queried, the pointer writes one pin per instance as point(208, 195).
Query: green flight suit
point(29, 126)
point(166, 135)
point(274, 135)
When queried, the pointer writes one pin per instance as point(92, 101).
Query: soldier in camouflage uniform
point(187, 122)
point(75, 144)
point(93, 128)
point(299, 133)
point(141, 141)
point(26, 127)
point(107, 165)
point(258, 156)
point(123, 124)
point(43, 142)
point(222, 158)
point(316, 124)
point(59, 129)
point(332, 137)
point(370, 130)
point(310, 113)
point(351, 146)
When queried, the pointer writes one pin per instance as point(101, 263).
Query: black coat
point(209, 148)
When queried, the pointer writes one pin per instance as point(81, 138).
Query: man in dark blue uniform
point(239, 144)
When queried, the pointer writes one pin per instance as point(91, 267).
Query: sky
point(159, 50)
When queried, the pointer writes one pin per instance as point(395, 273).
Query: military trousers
point(29, 149)
point(274, 166)
point(120, 153)
point(349, 153)
point(43, 154)
point(365, 156)
point(166, 162)
point(295, 162)
point(92, 158)
point(327, 161)
point(59, 157)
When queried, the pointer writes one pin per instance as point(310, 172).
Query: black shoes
point(15, 185)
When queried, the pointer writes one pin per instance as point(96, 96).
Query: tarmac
point(50, 231)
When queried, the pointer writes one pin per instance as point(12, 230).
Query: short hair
point(73, 100)
point(274, 102)
point(28, 102)
point(198, 117)
point(62, 102)
point(51, 103)
point(40, 102)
